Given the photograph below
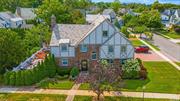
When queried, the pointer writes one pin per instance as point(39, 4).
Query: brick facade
point(79, 56)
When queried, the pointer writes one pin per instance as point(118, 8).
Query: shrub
point(12, 78)
point(74, 72)
point(143, 71)
point(131, 69)
point(63, 71)
point(29, 77)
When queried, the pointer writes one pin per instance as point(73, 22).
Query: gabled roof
point(91, 17)
point(108, 11)
point(76, 33)
point(178, 12)
point(6, 15)
point(26, 13)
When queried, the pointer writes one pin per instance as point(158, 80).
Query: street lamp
point(144, 87)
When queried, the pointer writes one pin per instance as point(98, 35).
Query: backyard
point(162, 78)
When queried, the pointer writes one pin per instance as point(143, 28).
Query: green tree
point(151, 19)
point(157, 6)
point(140, 29)
point(124, 31)
point(55, 7)
point(12, 49)
point(77, 17)
point(116, 5)
point(11, 5)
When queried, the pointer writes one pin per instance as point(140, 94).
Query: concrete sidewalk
point(89, 93)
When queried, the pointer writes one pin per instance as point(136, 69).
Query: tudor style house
point(84, 45)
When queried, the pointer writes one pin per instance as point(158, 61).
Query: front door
point(84, 65)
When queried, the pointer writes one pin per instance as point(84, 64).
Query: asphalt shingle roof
point(74, 32)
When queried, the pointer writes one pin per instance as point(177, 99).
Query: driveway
point(168, 48)
point(151, 56)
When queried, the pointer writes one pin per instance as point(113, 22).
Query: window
point(84, 48)
point(123, 48)
point(94, 56)
point(64, 62)
point(105, 33)
point(110, 61)
point(110, 49)
point(64, 48)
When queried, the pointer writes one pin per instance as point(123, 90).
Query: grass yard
point(132, 99)
point(90, 98)
point(162, 78)
point(178, 63)
point(83, 98)
point(31, 97)
point(63, 84)
point(136, 43)
point(173, 35)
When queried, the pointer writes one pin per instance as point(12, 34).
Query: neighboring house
point(123, 11)
point(120, 21)
point(9, 20)
point(84, 45)
point(111, 13)
point(166, 15)
point(175, 19)
point(26, 13)
point(91, 17)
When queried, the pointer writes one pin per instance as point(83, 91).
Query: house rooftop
point(107, 11)
point(74, 32)
point(26, 13)
point(91, 17)
point(6, 15)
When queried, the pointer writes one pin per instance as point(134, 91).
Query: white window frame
point(63, 61)
point(93, 53)
point(104, 35)
point(123, 50)
point(83, 48)
point(62, 48)
point(109, 48)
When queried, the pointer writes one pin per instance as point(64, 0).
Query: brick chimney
point(53, 21)
point(18, 11)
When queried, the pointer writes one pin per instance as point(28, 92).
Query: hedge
point(28, 77)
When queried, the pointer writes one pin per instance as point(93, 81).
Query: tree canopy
point(12, 49)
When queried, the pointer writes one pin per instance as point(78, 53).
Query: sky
point(142, 1)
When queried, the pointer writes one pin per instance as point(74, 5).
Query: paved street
point(168, 48)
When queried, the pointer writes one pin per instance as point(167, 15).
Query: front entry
point(84, 65)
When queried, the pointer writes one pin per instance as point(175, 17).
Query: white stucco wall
point(117, 41)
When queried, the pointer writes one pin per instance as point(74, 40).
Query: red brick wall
point(79, 56)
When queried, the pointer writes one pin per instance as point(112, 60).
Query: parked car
point(142, 49)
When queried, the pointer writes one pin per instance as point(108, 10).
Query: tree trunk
point(98, 96)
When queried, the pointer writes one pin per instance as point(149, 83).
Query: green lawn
point(83, 98)
point(162, 77)
point(63, 84)
point(132, 99)
point(136, 43)
point(90, 98)
point(173, 35)
point(178, 63)
point(31, 97)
